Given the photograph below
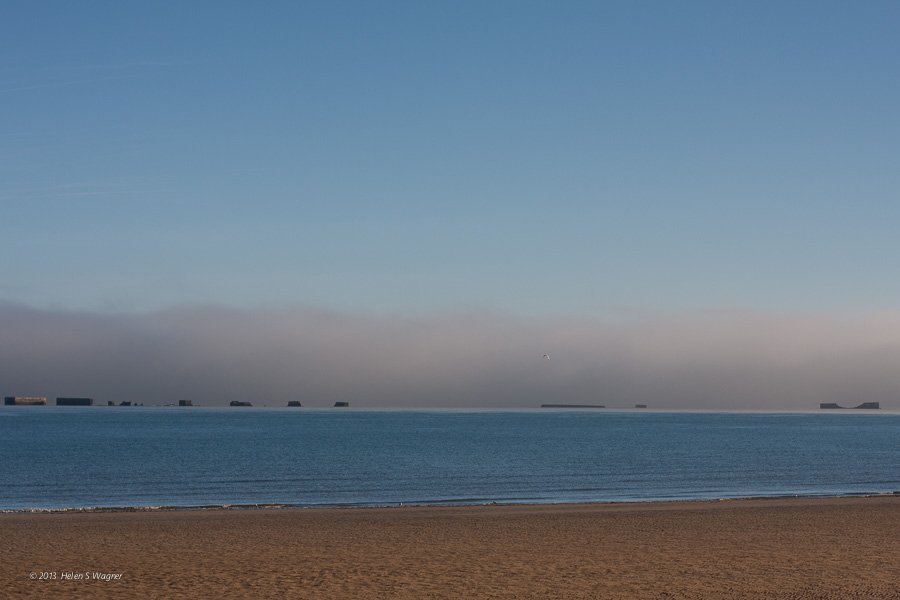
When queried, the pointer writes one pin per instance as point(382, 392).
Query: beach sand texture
point(786, 548)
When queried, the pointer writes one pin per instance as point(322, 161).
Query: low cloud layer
point(213, 355)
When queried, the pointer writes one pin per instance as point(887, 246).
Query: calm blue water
point(56, 457)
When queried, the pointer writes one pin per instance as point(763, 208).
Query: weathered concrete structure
point(74, 401)
point(863, 406)
point(24, 401)
point(573, 406)
point(869, 406)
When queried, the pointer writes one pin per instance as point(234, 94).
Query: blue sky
point(527, 158)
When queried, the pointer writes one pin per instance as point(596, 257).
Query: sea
point(107, 458)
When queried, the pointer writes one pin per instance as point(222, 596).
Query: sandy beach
point(784, 548)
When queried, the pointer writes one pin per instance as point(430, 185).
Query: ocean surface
point(77, 457)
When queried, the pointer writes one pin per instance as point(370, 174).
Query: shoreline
point(423, 504)
point(740, 501)
point(826, 547)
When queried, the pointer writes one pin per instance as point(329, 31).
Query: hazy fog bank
point(212, 355)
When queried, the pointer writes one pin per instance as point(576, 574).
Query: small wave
point(461, 501)
point(161, 508)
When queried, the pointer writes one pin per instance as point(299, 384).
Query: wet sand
point(784, 548)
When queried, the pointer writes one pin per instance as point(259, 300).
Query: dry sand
point(786, 548)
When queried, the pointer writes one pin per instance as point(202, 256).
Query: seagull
point(547, 356)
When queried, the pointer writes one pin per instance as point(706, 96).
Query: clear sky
point(524, 157)
point(407, 160)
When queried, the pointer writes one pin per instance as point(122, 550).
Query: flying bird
point(547, 356)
